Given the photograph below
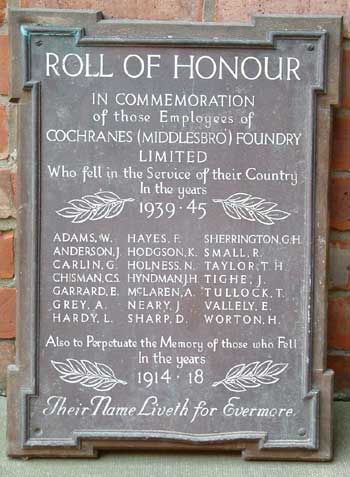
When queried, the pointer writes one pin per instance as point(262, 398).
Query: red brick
point(7, 313)
point(339, 265)
point(6, 255)
point(340, 203)
point(4, 63)
point(341, 143)
point(3, 132)
point(7, 356)
point(339, 323)
point(341, 366)
point(233, 10)
point(332, 7)
point(7, 198)
point(345, 90)
point(2, 11)
point(146, 9)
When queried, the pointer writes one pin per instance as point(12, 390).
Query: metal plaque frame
point(90, 29)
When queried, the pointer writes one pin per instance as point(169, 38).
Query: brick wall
point(7, 213)
point(194, 10)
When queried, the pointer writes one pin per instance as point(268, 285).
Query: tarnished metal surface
point(262, 225)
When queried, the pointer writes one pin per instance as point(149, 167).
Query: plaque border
point(29, 32)
point(89, 28)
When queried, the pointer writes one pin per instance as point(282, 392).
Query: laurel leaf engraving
point(101, 205)
point(252, 375)
point(97, 376)
point(254, 209)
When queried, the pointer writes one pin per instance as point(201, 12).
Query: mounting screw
point(38, 43)
point(302, 432)
point(310, 47)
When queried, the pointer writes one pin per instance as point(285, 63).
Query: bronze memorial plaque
point(173, 234)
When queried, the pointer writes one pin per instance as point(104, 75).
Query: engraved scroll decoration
point(97, 376)
point(254, 209)
point(252, 375)
point(101, 205)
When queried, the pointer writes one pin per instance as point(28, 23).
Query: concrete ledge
point(175, 464)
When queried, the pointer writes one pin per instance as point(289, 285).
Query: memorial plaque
point(173, 232)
